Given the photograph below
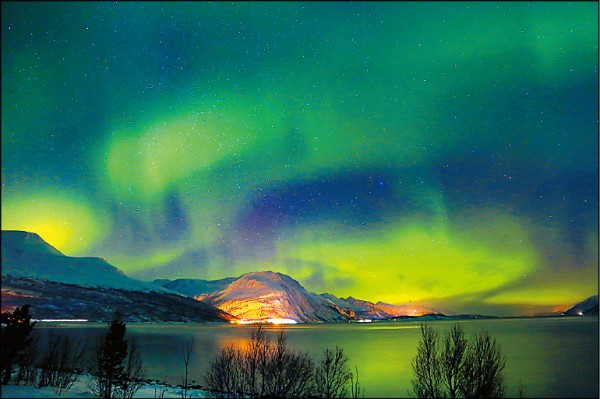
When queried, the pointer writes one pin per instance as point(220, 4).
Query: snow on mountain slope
point(269, 295)
point(22, 241)
point(588, 306)
point(194, 287)
point(54, 300)
point(366, 309)
point(404, 310)
point(262, 295)
point(28, 255)
point(360, 309)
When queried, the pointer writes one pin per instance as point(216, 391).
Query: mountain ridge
point(588, 306)
point(254, 296)
point(64, 287)
point(60, 301)
point(191, 287)
point(268, 294)
point(26, 254)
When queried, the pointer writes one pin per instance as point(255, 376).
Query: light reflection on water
point(552, 357)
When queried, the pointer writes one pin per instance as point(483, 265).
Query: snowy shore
point(81, 390)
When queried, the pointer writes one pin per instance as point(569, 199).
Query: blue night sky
point(444, 153)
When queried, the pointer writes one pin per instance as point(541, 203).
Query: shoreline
point(401, 319)
point(150, 389)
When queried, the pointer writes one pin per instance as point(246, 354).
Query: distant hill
point(382, 310)
point(361, 309)
point(409, 309)
point(54, 300)
point(26, 254)
point(194, 287)
point(586, 307)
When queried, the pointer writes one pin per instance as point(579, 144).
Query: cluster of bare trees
point(62, 360)
point(455, 367)
point(271, 369)
point(43, 360)
point(56, 359)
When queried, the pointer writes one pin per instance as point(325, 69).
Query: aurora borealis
point(440, 153)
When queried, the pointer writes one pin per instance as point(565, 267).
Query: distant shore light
point(265, 321)
point(59, 320)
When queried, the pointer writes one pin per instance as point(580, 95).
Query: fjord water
point(553, 357)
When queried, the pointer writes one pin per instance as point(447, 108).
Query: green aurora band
point(441, 153)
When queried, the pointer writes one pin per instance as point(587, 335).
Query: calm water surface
point(552, 357)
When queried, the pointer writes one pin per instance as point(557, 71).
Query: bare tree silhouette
point(459, 368)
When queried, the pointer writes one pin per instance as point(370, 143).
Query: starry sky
point(439, 153)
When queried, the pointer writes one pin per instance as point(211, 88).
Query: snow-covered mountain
point(64, 287)
point(54, 300)
point(269, 295)
point(193, 287)
point(588, 306)
point(264, 295)
point(382, 310)
point(409, 309)
point(26, 254)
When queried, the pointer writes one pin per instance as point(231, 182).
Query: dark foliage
point(459, 368)
point(482, 373)
point(118, 368)
point(267, 369)
point(425, 366)
point(333, 375)
point(226, 377)
point(61, 362)
point(16, 329)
